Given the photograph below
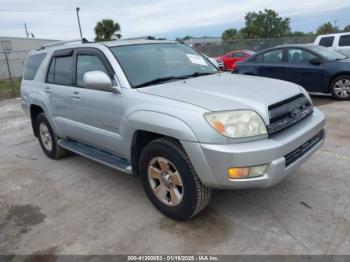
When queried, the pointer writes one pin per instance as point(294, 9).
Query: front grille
point(288, 112)
point(301, 150)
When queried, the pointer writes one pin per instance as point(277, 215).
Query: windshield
point(329, 54)
point(156, 63)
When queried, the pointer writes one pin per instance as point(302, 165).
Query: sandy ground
point(77, 206)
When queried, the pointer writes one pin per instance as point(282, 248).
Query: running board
point(97, 155)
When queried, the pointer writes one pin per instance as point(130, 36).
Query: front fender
point(155, 122)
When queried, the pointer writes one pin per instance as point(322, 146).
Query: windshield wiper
point(169, 78)
point(196, 74)
point(158, 81)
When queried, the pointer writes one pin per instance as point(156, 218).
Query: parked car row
point(322, 67)
point(316, 68)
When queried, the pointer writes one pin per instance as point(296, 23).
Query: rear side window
point(236, 55)
point(32, 66)
point(344, 40)
point(274, 56)
point(327, 41)
point(60, 71)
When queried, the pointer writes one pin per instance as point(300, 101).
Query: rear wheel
point(47, 138)
point(340, 87)
point(170, 181)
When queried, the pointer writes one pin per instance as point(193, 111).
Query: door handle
point(47, 89)
point(76, 95)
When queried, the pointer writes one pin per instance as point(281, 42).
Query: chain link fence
point(11, 69)
point(222, 47)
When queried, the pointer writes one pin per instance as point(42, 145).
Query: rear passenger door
point(58, 89)
point(97, 114)
point(271, 64)
point(344, 44)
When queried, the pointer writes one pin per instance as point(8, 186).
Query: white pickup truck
point(339, 42)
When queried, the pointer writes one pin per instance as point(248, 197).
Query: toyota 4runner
point(161, 110)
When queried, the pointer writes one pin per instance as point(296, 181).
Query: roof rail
point(59, 43)
point(144, 38)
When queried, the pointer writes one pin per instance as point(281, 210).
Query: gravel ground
point(77, 206)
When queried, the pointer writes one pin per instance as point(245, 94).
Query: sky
point(162, 18)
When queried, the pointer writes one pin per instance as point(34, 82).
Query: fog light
point(247, 172)
point(236, 173)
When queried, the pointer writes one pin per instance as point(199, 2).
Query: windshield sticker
point(196, 59)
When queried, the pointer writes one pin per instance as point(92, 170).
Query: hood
point(226, 91)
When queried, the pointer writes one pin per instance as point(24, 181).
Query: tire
point(340, 87)
point(192, 196)
point(47, 137)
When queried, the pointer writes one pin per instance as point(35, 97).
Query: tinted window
point(274, 56)
point(236, 55)
point(327, 41)
point(87, 63)
point(344, 40)
point(296, 55)
point(60, 71)
point(32, 66)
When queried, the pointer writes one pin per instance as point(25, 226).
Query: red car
point(230, 59)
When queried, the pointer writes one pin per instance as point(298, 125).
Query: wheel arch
point(37, 103)
point(335, 76)
point(145, 126)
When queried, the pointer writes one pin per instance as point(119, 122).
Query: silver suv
point(161, 110)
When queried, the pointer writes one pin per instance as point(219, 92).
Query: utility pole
point(335, 25)
point(25, 27)
point(81, 35)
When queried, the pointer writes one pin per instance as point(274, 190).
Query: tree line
point(268, 24)
point(262, 24)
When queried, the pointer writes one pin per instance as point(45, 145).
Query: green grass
point(9, 89)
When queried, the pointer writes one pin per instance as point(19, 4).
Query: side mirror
point(98, 80)
point(315, 61)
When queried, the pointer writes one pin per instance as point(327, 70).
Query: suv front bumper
point(211, 162)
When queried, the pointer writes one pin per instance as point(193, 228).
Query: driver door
point(302, 72)
point(97, 114)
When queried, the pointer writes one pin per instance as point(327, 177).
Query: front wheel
point(170, 181)
point(340, 87)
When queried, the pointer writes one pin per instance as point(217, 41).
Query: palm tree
point(106, 30)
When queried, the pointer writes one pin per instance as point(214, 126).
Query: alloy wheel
point(165, 181)
point(342, 88)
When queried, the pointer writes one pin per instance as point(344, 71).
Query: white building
point(16, 50)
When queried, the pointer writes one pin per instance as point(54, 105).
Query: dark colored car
point(316, 68)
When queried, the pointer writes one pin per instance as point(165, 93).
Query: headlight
point(237, 124)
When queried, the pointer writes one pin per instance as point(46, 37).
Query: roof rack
point(83, 41)
point(144, 38)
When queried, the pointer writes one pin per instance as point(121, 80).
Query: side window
point(60, 71)
point(296, 55)
point(274, 56)
point(327, 41)
point(344, 40)
point(87, 63)
point(32, 66)
point(237, 55)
